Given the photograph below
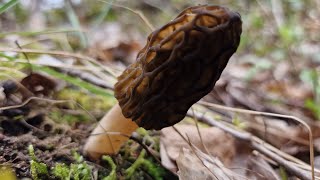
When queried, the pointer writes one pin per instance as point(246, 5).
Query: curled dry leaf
point(217, 142)
point(39, 84)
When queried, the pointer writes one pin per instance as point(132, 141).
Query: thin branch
point(257, 144)
point(139, 13)
point(30, 99)
point(272, 115)
point(146, 148)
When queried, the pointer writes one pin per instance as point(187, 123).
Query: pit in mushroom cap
point(178, 66)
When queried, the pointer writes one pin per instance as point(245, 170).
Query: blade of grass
point(76, 24)
point(7, 57)
point(75, 81)
point(4, 7)
point(35, 33)
point(260, 113)
point(111, 71)
point(139, 13)
point(102, 14)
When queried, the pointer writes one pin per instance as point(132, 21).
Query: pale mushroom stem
point(110, 134)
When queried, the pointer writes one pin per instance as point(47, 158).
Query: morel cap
point(178, 66)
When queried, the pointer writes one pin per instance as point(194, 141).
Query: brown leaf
point(218, 143)
point(38, 84)
point(194, 165)
point(258, 168)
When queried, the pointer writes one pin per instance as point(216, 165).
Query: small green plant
point(61, 117)
point(261, 65)
point(290, 33)
point(37, 169)
point(81, 170)
point(238, 123)
point(76, 171)
point(62, 171)
point(312, 77)
point(112, 175)
point(155, 171)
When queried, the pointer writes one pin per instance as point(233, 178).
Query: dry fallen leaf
point(258, 168)
point(39, 84)
point(194, 165)
point(217, 142)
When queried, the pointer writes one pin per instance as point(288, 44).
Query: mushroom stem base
point(109, 135)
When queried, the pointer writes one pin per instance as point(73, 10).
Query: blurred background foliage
point(280, 38)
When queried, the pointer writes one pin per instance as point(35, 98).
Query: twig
point(257, 144)
point(193, 150)
point(199, 133)
point(146, 148)
point(26, 124)
point(278, 133)
point(139, 13)
point(209, 158)
point(272, 115)
point(25, 56)
point(33, 98)
point(104, 83)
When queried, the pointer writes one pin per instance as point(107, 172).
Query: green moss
point(112, 175)
point(142, 131)
point(238, 123)
point(155, 171)
point(59, 116)
point(61, 171)
point(37, 169)
point(80, 171)
point(80, 100)
point(87, 101)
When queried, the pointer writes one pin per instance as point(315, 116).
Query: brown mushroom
point(177, 67)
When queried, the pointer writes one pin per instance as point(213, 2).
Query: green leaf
point(101, 16)
point(74, 20)
point(36, 33)
point(4, 7)
point(313, 107)
point(10, 58)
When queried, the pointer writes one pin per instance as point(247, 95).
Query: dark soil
point(52, 142)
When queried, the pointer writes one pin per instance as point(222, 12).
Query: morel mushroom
point(178, 66)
